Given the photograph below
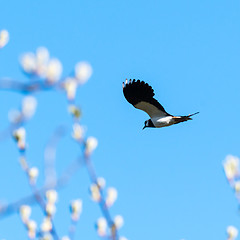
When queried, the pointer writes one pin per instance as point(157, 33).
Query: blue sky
point(170, 181)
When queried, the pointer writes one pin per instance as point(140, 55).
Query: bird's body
point(140, 95)
point(163, 121)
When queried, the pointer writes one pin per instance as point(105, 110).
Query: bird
point(141, 96)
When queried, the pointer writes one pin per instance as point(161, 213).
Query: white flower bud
point(29, 105)
point(101, 182)
point(231, 166)
point(51, 196)
point(19, 133)
point(32, 234)
point(28, 63)
point(31, 225)
point(4, 38)
point(70, 86)
point(54, 70)
point(33, 174)
point(101, 226)
point(111, 196)
point(42, 59)
point(91, 144)
point(95, 194)
point(42, 55)
point(237, 186)
point(118, 221)
point(232, 232)
point(50, 209)
point(25, 212)
point(20, 136)
point(83, 72)
point(78, 131)
point(76, 209)
point(46, 225)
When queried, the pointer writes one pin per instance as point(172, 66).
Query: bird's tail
point(184, 118)
point(190, 115)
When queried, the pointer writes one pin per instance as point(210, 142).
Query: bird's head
point(148, 123)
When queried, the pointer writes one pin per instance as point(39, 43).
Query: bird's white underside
point(163, 121)
point(150, 109)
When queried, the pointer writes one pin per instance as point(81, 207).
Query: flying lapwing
point(140, 95)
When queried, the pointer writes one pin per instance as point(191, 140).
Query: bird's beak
point(144, 127)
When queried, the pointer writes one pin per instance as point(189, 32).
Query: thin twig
point(102, 201)
point(9, 209)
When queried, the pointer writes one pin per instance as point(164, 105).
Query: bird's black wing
point(140, 95)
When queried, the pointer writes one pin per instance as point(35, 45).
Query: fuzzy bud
point(51, 196)
point(78, 131)
point(83, 72)
point(33, 174)
point(4, 38)
point(118, 221)
point(111, 196)
point(70, 86)
point(101, 227)
point(54, 70)
point(75, 111)
point(76, 209)
point(29, 105)
point(46, 225)
point(25, 212)
point(91, 144)
point(232, 232)
point(231, 167)
point(101, 182)
point(95, 193)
